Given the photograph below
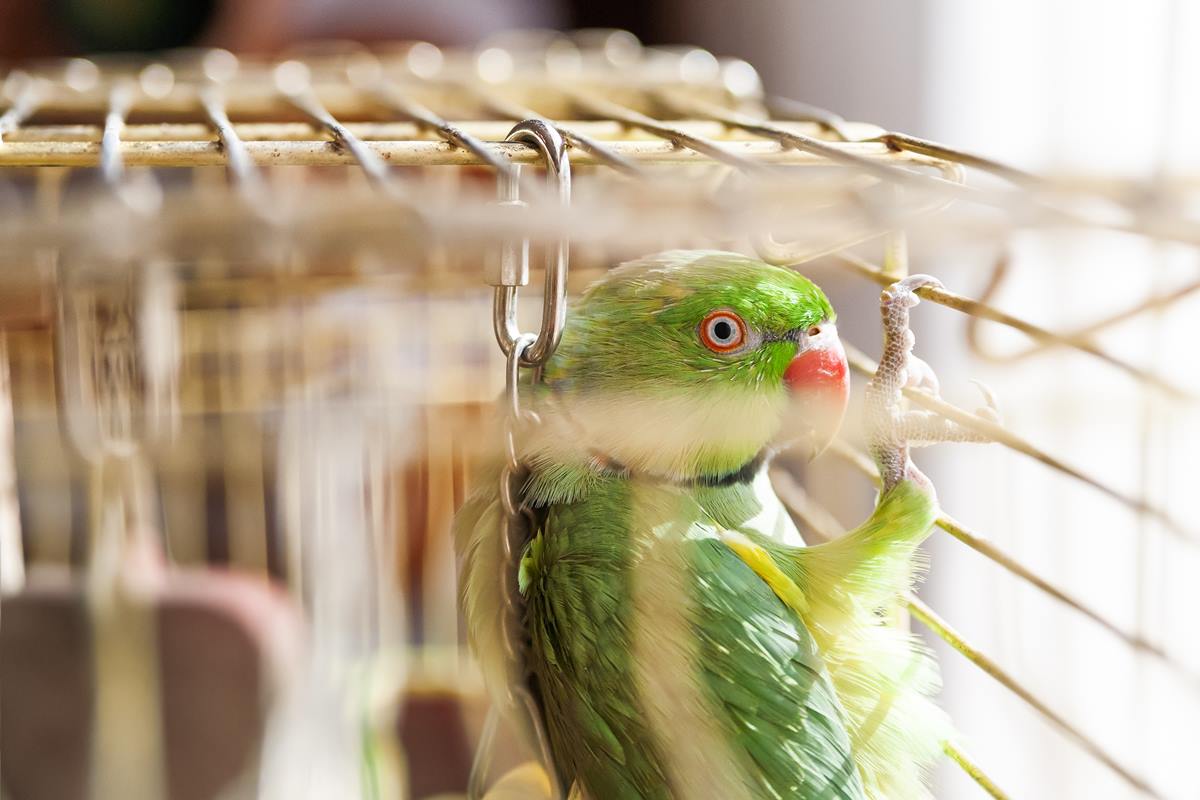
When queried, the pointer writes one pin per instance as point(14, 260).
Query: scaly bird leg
point(892, 429)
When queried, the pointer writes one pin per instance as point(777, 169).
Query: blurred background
point(1099, 95)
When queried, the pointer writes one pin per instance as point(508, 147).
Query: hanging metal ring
point(510, 477)
point(553, 150)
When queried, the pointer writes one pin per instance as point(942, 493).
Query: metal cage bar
point(819, 520)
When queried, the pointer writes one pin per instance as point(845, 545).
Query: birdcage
point(249, 327)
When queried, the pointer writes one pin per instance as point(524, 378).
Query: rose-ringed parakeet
point(682, 640)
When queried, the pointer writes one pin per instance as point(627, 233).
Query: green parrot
point(682, 641)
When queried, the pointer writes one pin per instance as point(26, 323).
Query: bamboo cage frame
point(620, 107)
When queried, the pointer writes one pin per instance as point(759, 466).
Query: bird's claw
point(920, 376)
point(893, 429)
point(991, 410)
point(904, 290)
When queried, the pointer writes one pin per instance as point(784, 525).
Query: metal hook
point(514, 264)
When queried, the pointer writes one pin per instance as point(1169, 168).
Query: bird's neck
point(715, 439)
point(702, 476)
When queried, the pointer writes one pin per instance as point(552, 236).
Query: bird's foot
point(893, 428)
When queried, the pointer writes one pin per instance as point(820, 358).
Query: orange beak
point(818, 380)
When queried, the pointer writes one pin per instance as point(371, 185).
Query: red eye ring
point(723, 331)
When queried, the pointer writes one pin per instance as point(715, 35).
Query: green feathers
point(882, 674)
point(636, 330)
point(683, 643)
point(635, 381)
point(666, 666)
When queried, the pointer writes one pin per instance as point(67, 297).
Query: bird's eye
point(815, 330)
point(723, 331)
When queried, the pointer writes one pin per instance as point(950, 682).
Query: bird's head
point(692, 363)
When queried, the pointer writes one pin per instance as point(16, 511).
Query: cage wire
point(246, 321)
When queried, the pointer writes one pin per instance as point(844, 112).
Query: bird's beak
point(818, 383)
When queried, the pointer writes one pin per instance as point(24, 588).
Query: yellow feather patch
point(759, 560)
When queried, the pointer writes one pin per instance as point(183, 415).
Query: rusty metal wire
point(111, 162)
point(589, 144)
point(237, 158)
point(964, 761)
point(819, 521)
point(860, 363)
point(822, 527)
point(981, 310)
point(372, 164)
point(944, 631)
point(391, 96)
point(23, 104)
point(1078, 338)
point(808, 144)
point(815, 517)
